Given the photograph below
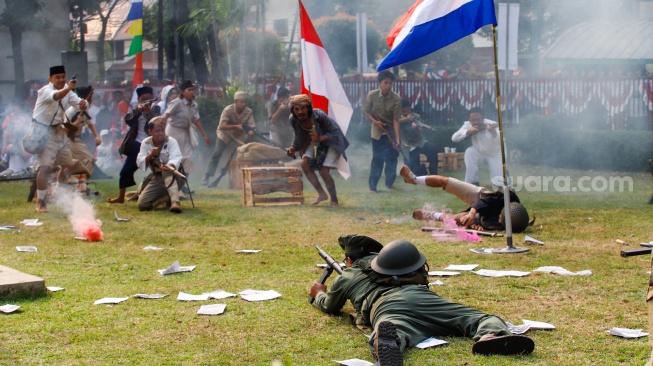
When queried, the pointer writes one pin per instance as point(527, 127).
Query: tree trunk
point(17, 52)
point(199, 60)
point(215, 57)
point(100, 50)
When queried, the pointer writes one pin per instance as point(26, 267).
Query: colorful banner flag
point(136, 48)
point(430, 25)
point(320, 80)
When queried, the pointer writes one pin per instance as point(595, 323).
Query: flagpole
point(506, 192)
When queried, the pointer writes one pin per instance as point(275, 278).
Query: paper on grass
point(188, 297)
point(494, 273)
point(562, 271)
point(627, 333)
point(9, 308)
point(119, 219)
point(249, 251)
point(443, 273)
point(150, 296)
point(219, 294)
point(31, 222)
point(31, 249)
point(529, 325)
point(323, 265)
point(354, 362)
point(430, 342)
point(436, 283)
point(258, 295)
point(54, 288)
point(5, 228)
point(215, 309)
point(176, 268)
point(528, 239)
point(461, 267)
point(149, 247)
point(482, 250)
point(110, 300)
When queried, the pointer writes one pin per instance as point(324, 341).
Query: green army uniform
point(417, 312)
point(387, 107)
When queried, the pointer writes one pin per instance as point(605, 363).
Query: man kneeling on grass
point(160, 153)
point(388, 287)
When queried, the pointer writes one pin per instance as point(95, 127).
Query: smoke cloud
point(81, 213)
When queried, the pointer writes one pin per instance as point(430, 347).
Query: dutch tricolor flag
point(433, 24)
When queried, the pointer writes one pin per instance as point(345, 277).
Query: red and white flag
point(320, 80)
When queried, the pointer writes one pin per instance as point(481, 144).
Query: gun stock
point(331, 265)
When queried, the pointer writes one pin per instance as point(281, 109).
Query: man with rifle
point(389, 292)
point(231, 131)
point(383, 108)
point(162, 154)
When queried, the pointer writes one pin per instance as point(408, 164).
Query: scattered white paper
point(430, 342)
point(528, 239)
point(81, 238)
point(257, 295)
point(493, 273)
point(31, 222)
point(215, 309)
point(443, 273)
point(626, 333)
point(529, 325)
point(354, 362)
point(150, 296)
point(26, 249)
point(54, 288)
point(176, 268)
point(436, 283)
point(481, 250)
point(461, 267)
point(119, 219)
point(248, 251)
point(110, 300)
point(219, 294)
point(5, 228)
point(324, 265)
point(562, 271)
point(188, 297)
point(149, 247)
point(9, 308)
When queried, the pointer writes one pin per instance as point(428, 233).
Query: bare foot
point(334, 204)
point(408, 176)
point(115, 200)
point(319, 199)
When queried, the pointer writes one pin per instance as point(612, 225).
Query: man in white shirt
point(51, 104)
point(161, 153)
point(486, 147)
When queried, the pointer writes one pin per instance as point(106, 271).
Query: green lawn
point(65, 328)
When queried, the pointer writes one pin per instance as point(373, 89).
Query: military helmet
point(398, 258)
point(518, 217)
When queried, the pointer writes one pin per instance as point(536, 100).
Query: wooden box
point(260, 181)
point(452, 161)
point(236, 176)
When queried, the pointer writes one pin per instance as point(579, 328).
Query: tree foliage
point(338, 34)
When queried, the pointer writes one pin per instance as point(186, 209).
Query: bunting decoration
point(135, 29)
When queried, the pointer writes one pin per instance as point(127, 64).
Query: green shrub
point(547, 141)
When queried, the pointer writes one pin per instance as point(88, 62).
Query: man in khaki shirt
point(230, 131)
point(383, 108)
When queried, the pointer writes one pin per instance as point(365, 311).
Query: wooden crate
point(452, 161)
point(260, 181)
point(236, 176)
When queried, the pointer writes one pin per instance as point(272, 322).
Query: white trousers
point(474, 158)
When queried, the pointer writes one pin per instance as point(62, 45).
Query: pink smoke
point(81, 213)
point(457, 233)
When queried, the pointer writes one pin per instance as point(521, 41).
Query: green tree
point(338, 34)
point(20, 16)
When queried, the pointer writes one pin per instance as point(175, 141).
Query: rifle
point(157, 164)
point(470, 231)
point(390, 136)
point(331, 265)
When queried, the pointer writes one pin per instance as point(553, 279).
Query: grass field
point(65, 328)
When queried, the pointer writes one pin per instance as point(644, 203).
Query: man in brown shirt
point(383, 108)
point(230, 131)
